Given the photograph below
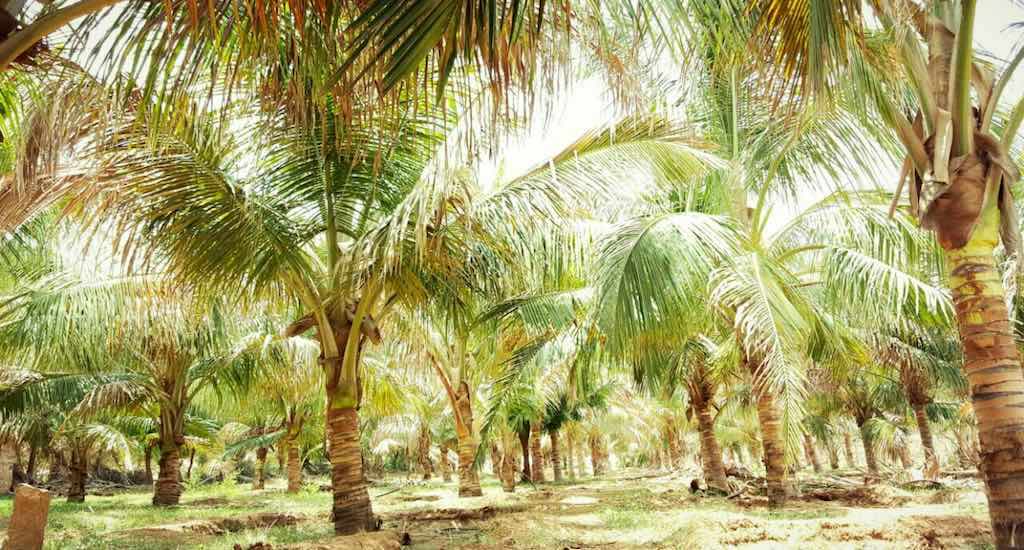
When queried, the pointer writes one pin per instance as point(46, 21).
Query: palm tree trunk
point(78, 471)
point(596, 464)
point(149, 464)
point(58, 466)
point(833, 456)
point(508, 468)
point(675, 454)
point(352, 512)
point(259, 480)
point(851, 462)
point(812, 453)
point(30, 470)
point(904, 453)
point(469, 478)
point(869, 452)
point(191, 461)
point(930, 456)
point(537, 470)
point(294, 468)
point(571, 457)
point(991, 363)
point(524, 444)
point(556, 455)
point(496, 460)
point(423, 450)
point(774, 448)
point(167, 491)
point(446, 467)
point(710, 452)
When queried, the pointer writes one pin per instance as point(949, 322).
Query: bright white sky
point(588, 106)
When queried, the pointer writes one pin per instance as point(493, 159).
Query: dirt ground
point(628, 509)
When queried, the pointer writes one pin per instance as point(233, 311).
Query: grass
point(626, 513)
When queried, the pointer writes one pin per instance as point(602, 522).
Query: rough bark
point(423, 453)
point(524, 445)
point(167, 491)
point(931, 458)
point(710, 452)
point(509, 471)
point(259, 479)
point(351, 511)
point(991, 360)
point(469, 478)
point(496, 460)
point(869, 451)
point(294, 468)
point(812, 453)
point(556, 455)
point(771, 439)
point(536, 458)
point(78, 471)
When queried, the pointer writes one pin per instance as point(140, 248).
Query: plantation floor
point(630, 509)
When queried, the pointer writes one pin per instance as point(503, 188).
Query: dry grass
point(621, 511)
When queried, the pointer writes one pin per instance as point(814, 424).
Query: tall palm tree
point(959, 177)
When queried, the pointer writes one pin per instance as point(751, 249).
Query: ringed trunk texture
point(991, 361)
point(771, 438)
point(294, 468)
point(556, 455)
point(469, 478)
point(536, 457)
point(509, 471)
point(710, 452)
point(701, 394)
point(351, 512)
point(259, 480)
point(774, 448)
point(812, 454)
point(931, 458)
point(168, 485)
point(78, 471)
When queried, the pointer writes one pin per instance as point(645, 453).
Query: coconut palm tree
point(959, 177)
